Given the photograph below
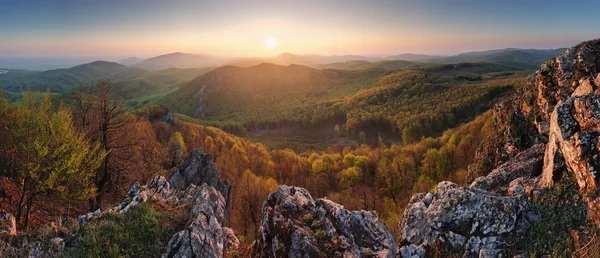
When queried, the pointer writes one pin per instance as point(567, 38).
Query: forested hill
point(133, 82)
point(421, 99)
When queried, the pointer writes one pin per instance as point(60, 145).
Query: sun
point(271, 42)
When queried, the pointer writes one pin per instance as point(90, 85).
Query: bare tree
point(100, 112)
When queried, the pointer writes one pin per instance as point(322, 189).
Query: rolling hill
point(131, 61)
point(181, 60)
point(523, 58)
point(424, 99)
point(361, 64)
point(133, 82)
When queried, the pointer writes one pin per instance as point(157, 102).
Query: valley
point(368, 135)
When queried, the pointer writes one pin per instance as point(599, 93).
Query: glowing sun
point(271, 42)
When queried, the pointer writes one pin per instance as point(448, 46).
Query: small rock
point(8, 225)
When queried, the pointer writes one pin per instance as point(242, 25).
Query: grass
point(144, 231)
point(561, 209)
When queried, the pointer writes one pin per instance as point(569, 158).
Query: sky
point(123, 28)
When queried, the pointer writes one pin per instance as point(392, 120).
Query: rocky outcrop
point(465, 220)
point(526, 164)
point(204, 234)
point(199, 169)
point(296, 225)
point(8, 225)
point(574, 131)
point(550, 125)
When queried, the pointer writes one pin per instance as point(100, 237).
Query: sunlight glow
point(271, 42)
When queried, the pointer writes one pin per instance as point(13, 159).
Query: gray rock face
point(468, 220)
point(199, 169)
point(204, 237)
point(296, 225)
point(8, 225)
point(526, 164)
point(574, 131)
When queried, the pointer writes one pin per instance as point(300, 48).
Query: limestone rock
point(574, 131)
point(199, 169)
point(8, 225)
point(296, 225)
point(468, 220)
point(204, 235)
point(526, 164)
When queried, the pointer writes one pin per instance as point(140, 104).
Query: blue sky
point(385, 27)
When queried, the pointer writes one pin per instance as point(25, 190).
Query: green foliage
point(560, 209)
point(142, 232)
point(412, 102)
point(350, 177)
point(51, 155)
point(138, 86)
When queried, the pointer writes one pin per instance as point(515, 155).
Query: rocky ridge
point(550, 125)
point(296, 225)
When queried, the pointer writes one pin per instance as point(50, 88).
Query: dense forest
point(414, 101)
point(99, 149)
point(374, 137)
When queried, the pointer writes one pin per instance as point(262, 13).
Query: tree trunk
point(21, 199)
point(29, 203)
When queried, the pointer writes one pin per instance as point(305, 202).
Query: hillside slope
point(423, 97)
point(132, 82)
point(181, 60)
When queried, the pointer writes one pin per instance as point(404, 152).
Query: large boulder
point(199, 169)
point(296, 225)
point(465, 220)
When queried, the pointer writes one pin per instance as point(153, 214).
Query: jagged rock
point(412, 251)
point(525, 187)
point(199, 169)
point(526, 164)
point(158, 188)
point(296, 225)
point(524, 118)
point(468, 220)
point(230, 241)
point(8, 225)
point(204, 235)
point(574, 131)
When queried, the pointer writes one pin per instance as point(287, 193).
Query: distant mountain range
point(181, 60)
point(131, 61)
point(524, 58)
point(134, 82)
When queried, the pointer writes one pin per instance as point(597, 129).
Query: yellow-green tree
point(50, 154)
point(177, 149)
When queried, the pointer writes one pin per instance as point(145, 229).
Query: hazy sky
point(369, 27)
